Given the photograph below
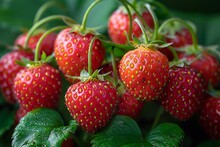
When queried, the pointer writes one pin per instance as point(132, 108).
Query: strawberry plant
point(144, 78)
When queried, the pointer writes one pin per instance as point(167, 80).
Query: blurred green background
point(17, 15)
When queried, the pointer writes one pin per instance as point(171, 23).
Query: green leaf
point(35, 128)
point(210, 143)
point(58, 135)
point(6, 119)
point(165, 134)
point(43, 56)
point(123, 131)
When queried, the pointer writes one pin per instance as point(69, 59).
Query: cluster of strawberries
point(177, 75)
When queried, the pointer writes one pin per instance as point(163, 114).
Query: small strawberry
point(119, 23)
point(47, 45)
point(37, 86)
point(92, 103)
point(144, 72)
point(181, 38)
point(19, 114)
point(129, 106)
point(68, 143)
point(210, 117)
point(8, 70)
point(71, 52)
point(207, 64)
point(183, 92)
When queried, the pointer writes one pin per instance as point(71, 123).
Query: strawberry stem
point(43, 21)
point(155, 34)
point(45, 7)
point(142, 29)
point(192, 32)
point(157, 118)
point(130, 19)
point(42, 38)
point(90, 54)
point(115, 74)
point(83, 27)
point(121, 46)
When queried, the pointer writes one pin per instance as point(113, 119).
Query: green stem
point(137, 13)
point(43, 21)
point(130, 18)
point(156, 23)
point(156, 120)
point(142, 29)
point(121, 46)
point(42, 38)
point(176, 59)
point(115, 73)
point(83, 27)
point(90, 54)
point(44, 7)
point(193, 34)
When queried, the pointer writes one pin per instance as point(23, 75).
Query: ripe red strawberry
point(144, 72)
point(207, 64)
point(181, 38)
point(71, 52)
point(47, 45)
point(119, 24)
point(210, 117)
point(8, 70)
point(183, 92)
point(92, 103)
point(38, 86)
point(129, 106)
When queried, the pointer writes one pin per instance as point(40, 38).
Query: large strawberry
point(119, 24)
point(71, 52)
point(210, 117)
point(207, 64)
point(92, 103)
point(37, 86)
point(183, 92)
point(144, 72)
point(47, 45)
point(8, 70)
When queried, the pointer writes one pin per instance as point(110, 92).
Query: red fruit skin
point(144, 72)
point(180, 39)
point(38, 86)
point(71, 52)
point(19, 114)
point(210, 117)
point(92, 104)
point(8, 70)
point(119, 23)
point(207, 64)
point(183, 93)
point(68, 143)
point(129, 106)
point(47, 44)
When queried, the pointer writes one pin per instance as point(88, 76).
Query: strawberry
point(119, 23)
point(144, 72)
point(210, 117)
point(129, 106)
point(8, 70)
point(37, 86)
point(181, 38)
point(19, 114)
point(71, 52)
point(207, 64)
point(92, 103)
point(68, 143)
point(46, 46)
point(183, 92)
